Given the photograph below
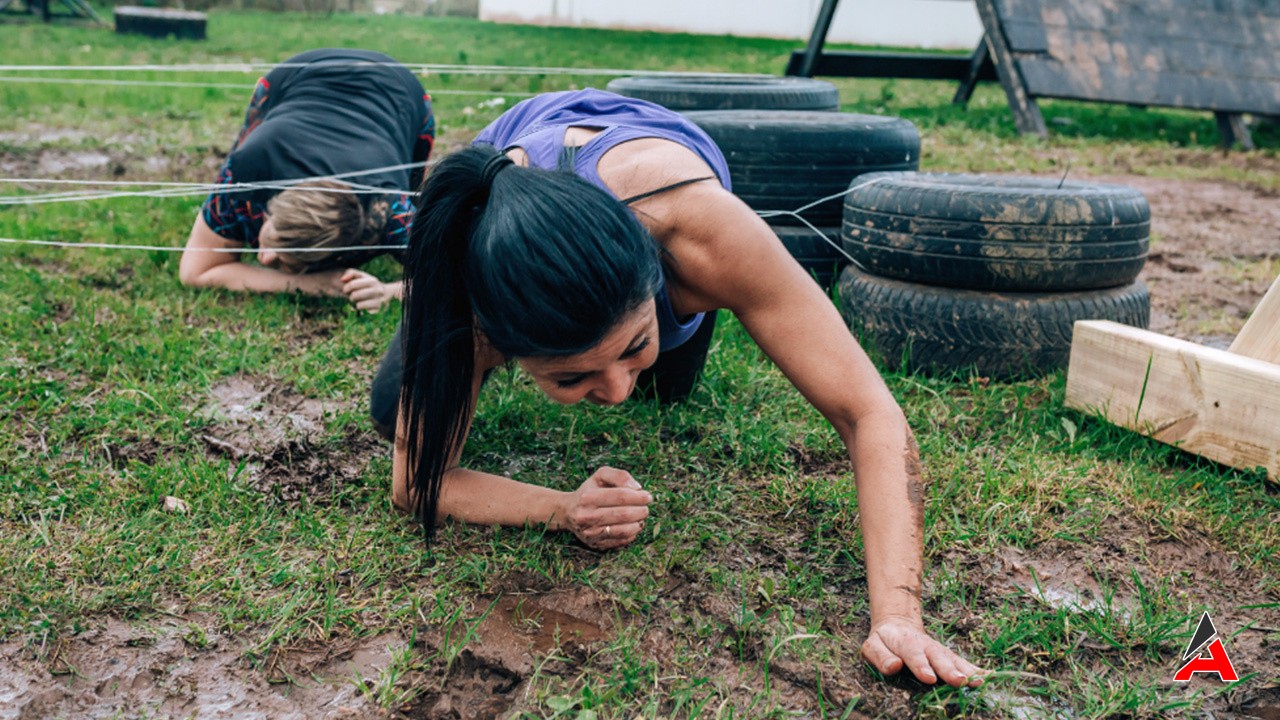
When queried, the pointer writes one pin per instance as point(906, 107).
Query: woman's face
point(605, 374)
point(286, 262)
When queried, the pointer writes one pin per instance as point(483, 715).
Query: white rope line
point(212, 86)
point(171, 189)
point(157, 83)
point(173, 248)
point(796, 214)
point(421, 68)
point(85, 195)
point(170, 248)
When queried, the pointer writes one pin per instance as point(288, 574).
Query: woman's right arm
point(201, 267)
point(607, 511)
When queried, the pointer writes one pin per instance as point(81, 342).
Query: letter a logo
point(1206, 654)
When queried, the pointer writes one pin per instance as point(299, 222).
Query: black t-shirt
point(338, 111)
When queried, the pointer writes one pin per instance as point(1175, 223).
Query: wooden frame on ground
point(1221, 404)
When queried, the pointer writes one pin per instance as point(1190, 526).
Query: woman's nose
point(614, 387)
point(267, 257)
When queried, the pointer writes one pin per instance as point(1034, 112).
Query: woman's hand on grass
point(899, 642)
point(609, 510)
point(327, 283)
point(367, 292)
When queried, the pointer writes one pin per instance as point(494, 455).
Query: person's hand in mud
point(367, 292)
point(895, 643)
point(609, 510)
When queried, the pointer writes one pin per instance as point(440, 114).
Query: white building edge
point(903, 23)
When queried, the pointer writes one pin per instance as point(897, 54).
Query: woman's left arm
point(726, 256)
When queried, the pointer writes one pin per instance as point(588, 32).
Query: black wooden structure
point(1216, 55)
point(161, 22)
point(78, 8)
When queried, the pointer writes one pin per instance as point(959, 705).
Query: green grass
point(748, 583)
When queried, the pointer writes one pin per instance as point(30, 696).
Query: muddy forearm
point(891, 506)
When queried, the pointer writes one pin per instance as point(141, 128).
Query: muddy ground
point(529, 632)
point(186, 666)
point(1216, 250)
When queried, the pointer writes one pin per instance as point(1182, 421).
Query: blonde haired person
point(323, 114)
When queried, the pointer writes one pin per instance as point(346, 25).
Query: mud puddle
point(174, 667)
point(517, 634)
point(279, 440)
point(183, 667)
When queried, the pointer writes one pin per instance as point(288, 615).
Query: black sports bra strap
point(568, 154)
point(672, 186)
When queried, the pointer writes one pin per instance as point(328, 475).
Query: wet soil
point(280, 442)
point(186, 667)
point(1215, 251)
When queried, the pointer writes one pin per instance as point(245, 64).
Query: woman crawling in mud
point(591, 239)
point(321, 113)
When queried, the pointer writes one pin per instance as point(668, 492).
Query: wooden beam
point(821, 25)
point(1260, 336)
point(1232, 131)
point(980, 61)
point(1210, 402)
point(1026, 113)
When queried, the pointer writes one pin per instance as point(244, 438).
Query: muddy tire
point(782, 159)
point(819, 257)
point(997, 233)
point(937, 330)
point(160, 22)
point(730, 92)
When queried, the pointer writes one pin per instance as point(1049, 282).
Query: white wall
point(906, 23)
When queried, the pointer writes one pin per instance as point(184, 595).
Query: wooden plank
point(1026, 37)
point(1217, 404)
point(1102, 81)
point(927, 66)
point(1155, 23)
point(1193, 57)
point(1232, 131)
point(1026, 114)
point(1260, 336)
point(979, 62)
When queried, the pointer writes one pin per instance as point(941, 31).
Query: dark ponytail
point(543, 263)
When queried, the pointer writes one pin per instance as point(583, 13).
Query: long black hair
point(543, 263)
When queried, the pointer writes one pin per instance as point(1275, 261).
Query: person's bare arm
point(607, 511)
point(201, 268)
point(726, 256)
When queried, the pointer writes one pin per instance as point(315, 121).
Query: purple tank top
point(538, 126)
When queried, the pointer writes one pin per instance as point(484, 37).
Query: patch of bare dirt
point(175, 667)
point(182, 667)
point(1218, 251)
point(63, 153)
point(279, 437)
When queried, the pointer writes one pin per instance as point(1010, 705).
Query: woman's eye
point(570, 382)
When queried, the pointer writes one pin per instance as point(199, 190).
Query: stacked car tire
point(989, 273)
point(951, 272)
point(786, 146)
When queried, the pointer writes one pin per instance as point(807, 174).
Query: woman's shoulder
point(640, 166)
